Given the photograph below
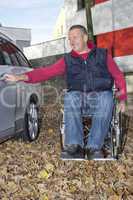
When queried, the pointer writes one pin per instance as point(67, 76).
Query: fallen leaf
point(43, 174)
point(50, 131)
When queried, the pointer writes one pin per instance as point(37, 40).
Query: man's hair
point(80, 27)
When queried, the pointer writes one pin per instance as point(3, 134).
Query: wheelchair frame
point(116, 139)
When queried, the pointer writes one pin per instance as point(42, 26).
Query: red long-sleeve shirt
point(59, 68)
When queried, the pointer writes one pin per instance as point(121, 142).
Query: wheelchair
point(116, 138)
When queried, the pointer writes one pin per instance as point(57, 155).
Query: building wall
point(46, 49)
point(22, 43)
point(60, 26)
point(68, 16)
point(73, 15)
point(115, 32)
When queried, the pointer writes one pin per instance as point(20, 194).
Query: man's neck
point(86, 50)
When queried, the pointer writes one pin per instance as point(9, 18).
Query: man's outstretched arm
point(40, 74)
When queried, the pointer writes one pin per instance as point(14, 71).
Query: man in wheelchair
point(90, 75)
point(113, 142)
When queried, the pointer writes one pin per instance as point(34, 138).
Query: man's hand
point(15, 78)
point(122, 106)
point(9, 77)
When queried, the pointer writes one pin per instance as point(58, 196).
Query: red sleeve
point(45, 73)
point(118, 76)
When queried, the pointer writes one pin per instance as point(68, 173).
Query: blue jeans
point(97, 104)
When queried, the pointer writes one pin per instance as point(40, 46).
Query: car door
point(21, 65)
point(7, 95)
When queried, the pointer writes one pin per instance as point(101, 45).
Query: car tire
point(32, 123)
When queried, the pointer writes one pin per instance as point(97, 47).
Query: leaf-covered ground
point(34, 171)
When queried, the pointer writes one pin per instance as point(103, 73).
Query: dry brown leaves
point(34, 171)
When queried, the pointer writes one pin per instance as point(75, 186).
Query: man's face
point(77, 39)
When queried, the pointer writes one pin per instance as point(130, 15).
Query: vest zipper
point(85, 87)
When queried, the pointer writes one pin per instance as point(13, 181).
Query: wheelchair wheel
point(115, 143)
point(117, 135)
point(62, 127)
point(124, 125)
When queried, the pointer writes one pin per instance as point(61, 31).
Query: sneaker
point(72, 152)
point(94, 154)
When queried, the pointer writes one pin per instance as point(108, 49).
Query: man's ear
point(85, 37)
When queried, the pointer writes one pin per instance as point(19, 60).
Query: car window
point(22, 59)
point(11, 55)
point(7, 58)
point(17, 57)
point(8, 53)
point(14, 59)
point(4, 54)
point(2, 62)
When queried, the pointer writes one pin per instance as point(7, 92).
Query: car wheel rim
point(33, 121)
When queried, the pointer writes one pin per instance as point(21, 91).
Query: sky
point(39, 15)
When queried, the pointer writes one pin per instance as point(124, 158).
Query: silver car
point(19, 102)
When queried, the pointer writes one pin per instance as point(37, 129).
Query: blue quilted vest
point(88, 75)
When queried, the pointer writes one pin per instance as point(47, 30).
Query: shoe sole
point(95, 159)
point(104, 159)
point(77, 159)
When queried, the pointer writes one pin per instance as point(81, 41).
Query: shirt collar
point(90, 45)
